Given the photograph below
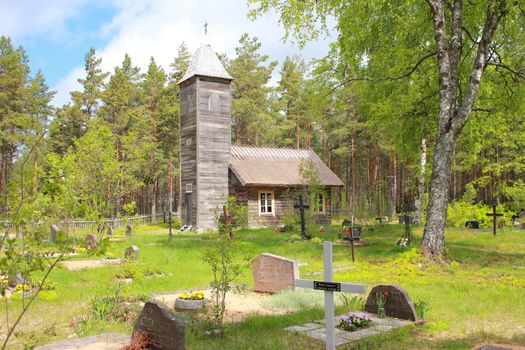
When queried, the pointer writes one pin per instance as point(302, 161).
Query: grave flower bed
point(190, 300)
point(352, 322)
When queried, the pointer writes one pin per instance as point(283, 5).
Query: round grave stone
point(398, 304)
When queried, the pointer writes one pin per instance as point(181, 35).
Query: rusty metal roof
point(270, 166)
point(205, 63)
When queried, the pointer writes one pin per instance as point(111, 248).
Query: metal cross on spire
point(205, 27)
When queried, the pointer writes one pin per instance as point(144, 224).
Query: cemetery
point(465, 298)
point(236, 198)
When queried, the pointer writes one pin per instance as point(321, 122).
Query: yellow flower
point(182, 295)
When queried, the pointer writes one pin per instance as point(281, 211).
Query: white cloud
point(156, 28)
point(20, 19)
point(66, 85)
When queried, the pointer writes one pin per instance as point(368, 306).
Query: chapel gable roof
point(205, 63)
point(279, 167)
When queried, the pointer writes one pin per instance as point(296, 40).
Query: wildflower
point(74, 321)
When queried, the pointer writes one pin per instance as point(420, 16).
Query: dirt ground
point(238, 305)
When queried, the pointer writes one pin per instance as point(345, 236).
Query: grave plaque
point(132, 253)
point(91, 241)
point(472, 224)
point(164, 330)
point(273, 273)
point(398, 304)
point(54, 231)
point(18, 278)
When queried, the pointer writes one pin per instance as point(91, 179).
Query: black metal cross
point(205, 27)
point(301, 208)
point(494, 217)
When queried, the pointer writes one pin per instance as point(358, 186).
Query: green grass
point(476, 297)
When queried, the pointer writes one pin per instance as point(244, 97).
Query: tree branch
point(510, 69)
point(376, 80)
point(493, 17)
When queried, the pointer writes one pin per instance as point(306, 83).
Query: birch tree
point(452, 41)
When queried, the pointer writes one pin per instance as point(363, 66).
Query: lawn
point(476, 296)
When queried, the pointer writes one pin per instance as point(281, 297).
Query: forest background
point(117, 141)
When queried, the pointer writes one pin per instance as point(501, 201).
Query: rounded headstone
point(398, 304)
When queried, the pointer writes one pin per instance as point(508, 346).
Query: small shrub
point(316, 240)
point(422, 308)
point(48, 295)
point(139, 341)
point(351, 301)
point(289, 220)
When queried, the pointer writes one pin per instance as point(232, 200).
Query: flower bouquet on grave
point(22, 291)
point(190, 300)
point(352, 322)
point(381, 301)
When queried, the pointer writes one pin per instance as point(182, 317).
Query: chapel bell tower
point(205, 138)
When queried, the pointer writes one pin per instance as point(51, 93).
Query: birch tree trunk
point(421, 181)
point(453, 111)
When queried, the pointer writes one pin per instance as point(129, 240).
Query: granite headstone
point(273, 273)
point(91, 241)
point(132, 253)
point(398, 304)
point(161, 326)
point(128, 231)
point(54, 231)
point(17, 279)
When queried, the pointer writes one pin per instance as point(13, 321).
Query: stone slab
point(85, 264)
point(498, 347)
point(317, 329)
point(273, 273)
point(105, 341)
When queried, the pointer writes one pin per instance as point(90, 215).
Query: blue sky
point(57, 33)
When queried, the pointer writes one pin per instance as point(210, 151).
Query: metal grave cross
point(301, 208)
point(494, 216)
point(329, 288)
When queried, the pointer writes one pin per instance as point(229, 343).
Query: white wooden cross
point(329, 288)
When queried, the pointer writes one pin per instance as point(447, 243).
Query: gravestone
point(91, 241)
point(16, 280)
point(273, 273)
point(403, 219)
point(164, 330)
point(398, 304)
point(132, 253)
point(472, 224)
point(128, 231)
point(54, 231)
point(105, 226)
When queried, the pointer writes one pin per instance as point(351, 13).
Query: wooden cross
point(170, 222)
point(205, 27)
point(494, 217)
point(329, 288)
point(301, 208)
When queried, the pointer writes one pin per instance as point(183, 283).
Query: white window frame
point(272, 204)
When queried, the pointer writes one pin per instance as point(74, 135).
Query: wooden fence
point(76, 225)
